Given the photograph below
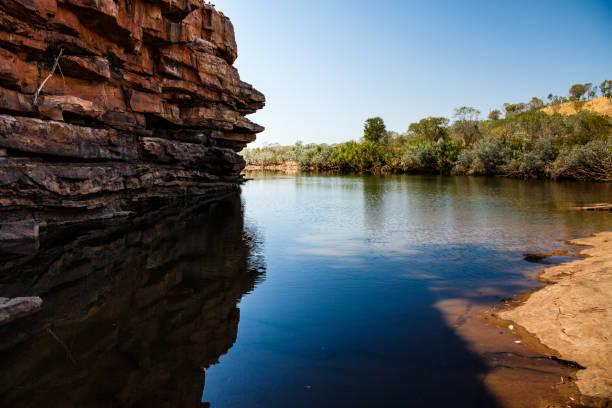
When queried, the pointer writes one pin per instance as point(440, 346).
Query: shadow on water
point(413, 359)
point(134, 311)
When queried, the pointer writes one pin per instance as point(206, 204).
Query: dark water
point(306, 291)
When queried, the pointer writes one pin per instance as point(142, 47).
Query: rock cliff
point(106, 105)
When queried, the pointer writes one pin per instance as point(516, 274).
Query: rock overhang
point(144, 104)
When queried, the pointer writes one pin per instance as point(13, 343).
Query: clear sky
point(327, 65)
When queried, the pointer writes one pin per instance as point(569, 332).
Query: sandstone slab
point(573, 314)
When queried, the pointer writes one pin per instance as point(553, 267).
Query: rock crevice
point(145, 104)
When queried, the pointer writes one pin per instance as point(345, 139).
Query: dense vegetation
point(526, 142)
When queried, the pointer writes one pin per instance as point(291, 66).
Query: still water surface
point(306, 291)
point(354, 267)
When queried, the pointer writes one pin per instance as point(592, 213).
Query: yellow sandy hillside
point(599, 105)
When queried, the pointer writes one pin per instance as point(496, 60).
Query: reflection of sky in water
point(349, 258)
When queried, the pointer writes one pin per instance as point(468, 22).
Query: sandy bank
point(289, 166)
point(573, 314)
point(601, 105)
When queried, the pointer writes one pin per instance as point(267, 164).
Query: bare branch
point(55, 65)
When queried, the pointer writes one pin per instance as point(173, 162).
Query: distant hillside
point(600, 105)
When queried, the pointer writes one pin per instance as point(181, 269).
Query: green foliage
point(592, 161)
point(467, 113)
point(514, 109)
point(419, 158)
point(606, 88)
point(268, 155)
point(546, 149)
point(556, 101)
point(495, 114)
point(585, 127)
point(374, 130)
point(577, 91)
point(352, 156)
point(526, 165)
point(315, 156)
point(466, 124)
point(526, 143)
point(535, 103)
point(485, 158)
point(430, 129)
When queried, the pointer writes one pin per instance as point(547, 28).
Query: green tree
point(430, 129)
point(578, 90)
point(606, 88)
point(466, 124)
point(374, 130)
point(357, 156)
point(495, 114)
point(535, 103)
point(514, 109)
point(467, 113)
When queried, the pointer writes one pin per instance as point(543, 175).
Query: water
point(305, 291)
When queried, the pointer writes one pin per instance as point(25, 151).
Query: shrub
point(592, 161)
point(527, 165)
point(485, 157)
point(357, 156)
point(419, 158)
point(546, 150)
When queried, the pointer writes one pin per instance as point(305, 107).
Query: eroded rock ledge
point(145, 105)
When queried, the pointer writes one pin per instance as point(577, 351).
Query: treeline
point(579, 94)
point(525, 143)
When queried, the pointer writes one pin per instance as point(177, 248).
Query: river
point(305, 290)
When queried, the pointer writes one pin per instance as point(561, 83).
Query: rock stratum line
point(572, 315)
point(145, 104)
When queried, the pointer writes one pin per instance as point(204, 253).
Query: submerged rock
point(145, 105)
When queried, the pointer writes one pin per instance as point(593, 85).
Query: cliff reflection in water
point(133, 313)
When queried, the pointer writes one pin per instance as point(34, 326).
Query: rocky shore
point(572, 315)
point(108, 105)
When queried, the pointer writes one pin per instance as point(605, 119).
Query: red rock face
point(144, 105)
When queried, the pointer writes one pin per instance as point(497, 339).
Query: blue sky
point(326, 66)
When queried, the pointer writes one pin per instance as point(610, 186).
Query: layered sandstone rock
point(144, 105)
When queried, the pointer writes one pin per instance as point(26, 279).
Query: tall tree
point(374, 130)
point(606, 88)
point(430, 129)
point(578, 90)
point(466, 124)
point(514, 108)
point(467, 113)
point(495, 114)
point(535, 103)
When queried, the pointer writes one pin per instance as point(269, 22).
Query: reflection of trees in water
point(133, 312)
point(374, 205)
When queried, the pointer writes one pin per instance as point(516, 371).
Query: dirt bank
point(601, 105)
point(572, 315)
point(289, 167)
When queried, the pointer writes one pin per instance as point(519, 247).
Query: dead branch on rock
point(55, 65)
